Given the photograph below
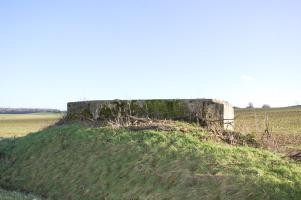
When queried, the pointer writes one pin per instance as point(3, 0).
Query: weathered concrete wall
point(191, 110)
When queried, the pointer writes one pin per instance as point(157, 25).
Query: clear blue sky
point(52, 52)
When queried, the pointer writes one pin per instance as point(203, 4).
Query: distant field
point(16, 125)
point(284, 126)
point(281, 120)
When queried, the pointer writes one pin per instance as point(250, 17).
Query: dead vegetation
point(296, 155)
point(138, 124)
point(213, 128)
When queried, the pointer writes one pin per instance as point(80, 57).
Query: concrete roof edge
point(196, 99)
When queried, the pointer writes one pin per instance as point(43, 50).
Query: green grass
point(78, 162)
point(6, 195)
point(16, 125)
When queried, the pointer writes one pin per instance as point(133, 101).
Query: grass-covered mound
point(78, 162)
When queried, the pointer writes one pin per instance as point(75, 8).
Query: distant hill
point(260, 108)
point(27, 110)
point(297, 106)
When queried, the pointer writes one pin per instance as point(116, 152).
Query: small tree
point(266, 106)
point(250, 105)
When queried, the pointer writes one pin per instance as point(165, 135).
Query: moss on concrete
point(166, 109)
point(86, 114)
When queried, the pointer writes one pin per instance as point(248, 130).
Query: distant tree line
point(26, 110)
point(250, 106)
point(266, 106)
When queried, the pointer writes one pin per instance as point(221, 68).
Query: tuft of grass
point(78, 162)
point(7, 195)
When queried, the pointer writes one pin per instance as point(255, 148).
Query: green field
point(16, 125)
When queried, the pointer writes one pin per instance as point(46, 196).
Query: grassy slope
point(21, 124)
point(76, 162)
point(5, 195)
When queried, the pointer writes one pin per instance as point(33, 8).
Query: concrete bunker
point(202, 111)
